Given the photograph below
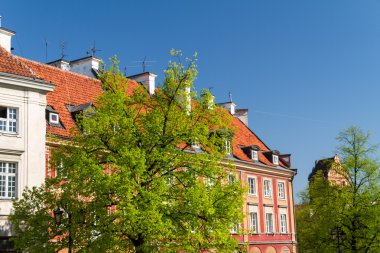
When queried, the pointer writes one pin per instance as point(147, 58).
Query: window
point(254, 155)
point(8, 119)
point(228, 146)
point(283, 224)
point(53, 118)
point(231, 178)
point(281, 190)
point(251, 186)
point(253, 222)
point(275, 159)
point(195, 143)
point(235, 228)
point(269, 222)
point(267, 188)
point(8, 180)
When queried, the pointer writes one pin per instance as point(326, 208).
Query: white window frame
point(283, 224)
point(254, 155)
point(235, 228)
point(253, 222)
point(51, 120)
point(269, 223)
point(252, 191)
point(10, 120)
point(275, 159)
point(228, 146)
point(281, 190)
point(231, 178)
point(267, 188)
point(8, 180)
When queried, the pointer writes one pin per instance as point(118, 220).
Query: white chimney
point(148, 79)
point(88, 66)
point(229, 106)
point(242, 114)
point(5, 38)
point(61, 64)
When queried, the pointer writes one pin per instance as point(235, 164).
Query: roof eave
point(26, 82)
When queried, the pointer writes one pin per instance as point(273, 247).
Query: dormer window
point(228, 146)
point(254, 155)
point(53, 118)
point(251, 151)
point(275, 159)
point(195, 143)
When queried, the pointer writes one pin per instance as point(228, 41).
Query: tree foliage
point(129, 180)
point(353, 209)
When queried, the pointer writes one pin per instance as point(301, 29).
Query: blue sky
point(306, 70)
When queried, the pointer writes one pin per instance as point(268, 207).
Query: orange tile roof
point(71, 89)
point(75, 89)
point(12, 65)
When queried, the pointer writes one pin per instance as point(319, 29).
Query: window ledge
point(8, 134)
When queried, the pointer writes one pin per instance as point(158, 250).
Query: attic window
point(228, 146)
point(195, 143)
point(53, 118)
point(254, 155)
point(275, 159)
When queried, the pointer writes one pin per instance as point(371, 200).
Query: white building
point(22, 130)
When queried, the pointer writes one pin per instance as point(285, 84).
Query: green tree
point(130, 181)
point(350, 210)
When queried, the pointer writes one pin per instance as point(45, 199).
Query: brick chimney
point(5, 38)
point(148, 79)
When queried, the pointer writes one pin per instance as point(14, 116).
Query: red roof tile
point(71, 88)
point(12, 65)
point(245, 137)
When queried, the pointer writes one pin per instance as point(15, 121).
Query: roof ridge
point(57, 69)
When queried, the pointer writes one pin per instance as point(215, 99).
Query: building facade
point(268, 226)
point(22, 131)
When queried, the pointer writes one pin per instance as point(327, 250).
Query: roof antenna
point(230, 95)
point(46, 50)
point(63, 50)
point(93, 50)
point(144, 64)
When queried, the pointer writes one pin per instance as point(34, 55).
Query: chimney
point(61, 64)
point(229, 106)
point(88, 66)
point(242, 114)
point(148, 79)
point(5, 38)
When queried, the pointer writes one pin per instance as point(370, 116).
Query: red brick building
point(269, 225)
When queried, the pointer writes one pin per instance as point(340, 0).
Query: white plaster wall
point(27, 147)
point(5, 40)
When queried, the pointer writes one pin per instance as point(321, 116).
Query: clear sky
point(305, 69)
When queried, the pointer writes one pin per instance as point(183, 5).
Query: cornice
point(26, 82)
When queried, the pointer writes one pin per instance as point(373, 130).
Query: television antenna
point(63, 47)
point(93, 50)
point(144, 64)
point(46, 50)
